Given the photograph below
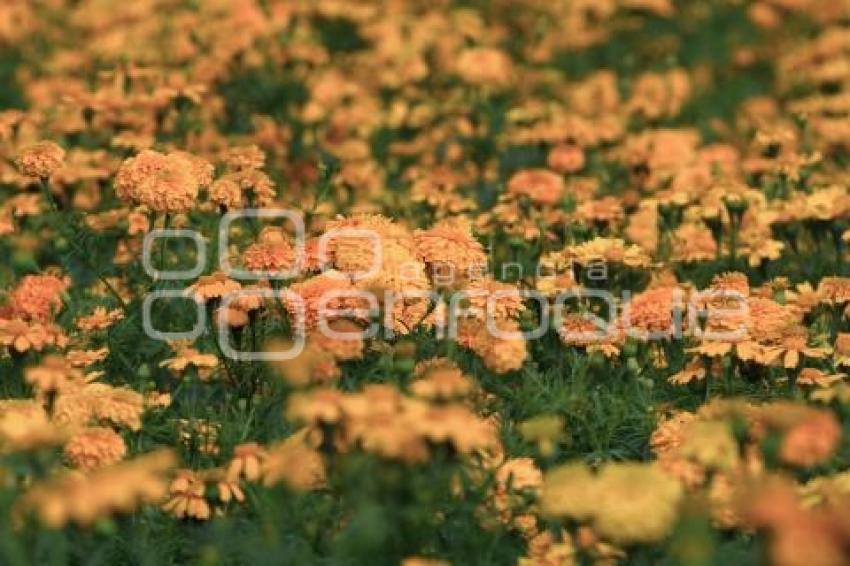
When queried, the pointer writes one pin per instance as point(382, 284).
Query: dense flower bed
point(386, 281)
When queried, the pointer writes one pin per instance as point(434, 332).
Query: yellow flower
point(626, 502)
point(569, 491)
point(710, 444)
point(638, 503)
point(545, 430)
point(24, 425)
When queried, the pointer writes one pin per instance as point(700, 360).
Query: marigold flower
point(543, 187)
point(607, 210)
point(295, 462)
point(99, 402)
point(99, 319)
point(95, 447)
point(84, 498)
point(627, 503)
point(501, 354)
point(452, 254)
point(327, 296)
point(228, 489)
point(583, 331)
point(53, 374)
point(187, 492)
point(834, 290)
point(23, 336)
point(652, 312)
point(342, 338)
point(164, 183)
point(244, 158)
point(490, 298)
point(693, 243)
point(273, 252)
point(440, 378)
point(566, 159)
point(812, 441)
point(40, 159)
point(636, 503)
point(186, 356)
point(38, 297)
point(226, 193)
point(609, 250)
point(484, 66)
point(25, 425)
point(212, 287)
point(246, 462)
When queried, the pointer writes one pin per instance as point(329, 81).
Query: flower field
point(423, 283)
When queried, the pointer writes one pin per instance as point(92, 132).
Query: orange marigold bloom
point(212, 287)
point(272, 252)
point(457, 425)
point(53, 374)
point(40, 159)
point(566, 159)
point(38, 297)
point(83, 358)
point(81, 403)
point(812, 441)
point(693, 242)
point(247, 461)
point(296, 462)
point(842, 344)
point(732, 281)
point(542, 186)
point(315, 407)
point(612, 250)
point(607, 210)
point(834, 290)
point(450, 251)
point(164, 183)
point(488, 297)
point(652, 311)
point(244, 158)
point(187, 496)
point(95, 447)
point(201, 169)
point(501, 354)
point(23, 336)
point(344, 342)
point(100, 319)
point(484, 66)
point(813, 376)
point(84, 498)
point(226, 193)
point(769, 320)
point(25, 425)
point(326, 295)
point(314, 364)
point(186, 356)
point(440, 378)
point(582, 331)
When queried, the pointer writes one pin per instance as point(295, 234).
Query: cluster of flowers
point(429, 151)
